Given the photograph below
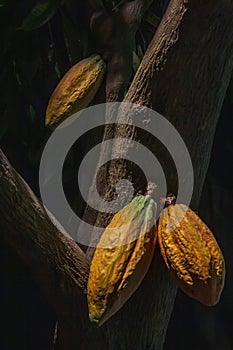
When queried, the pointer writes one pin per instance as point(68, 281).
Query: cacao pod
point(191, 254)
point(76, 89)
point(122, 258)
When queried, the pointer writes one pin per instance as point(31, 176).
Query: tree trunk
point(185, 73)
point(197, 39)
point(184, 76)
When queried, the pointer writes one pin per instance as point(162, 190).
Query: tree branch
point(197, 39)
point(115, 38)
point(184, 76)
point(56, 262)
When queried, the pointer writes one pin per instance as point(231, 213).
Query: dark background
point(39, 43)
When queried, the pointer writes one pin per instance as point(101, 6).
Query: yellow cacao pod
point(191, 253)
point(76, 89)
point(122, 258)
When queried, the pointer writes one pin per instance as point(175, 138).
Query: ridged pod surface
point(191, 253)
point(122, 258)
point(76, 89)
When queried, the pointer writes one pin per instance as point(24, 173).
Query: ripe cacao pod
point(76, 89)
point(122, 258)
point(191, 254)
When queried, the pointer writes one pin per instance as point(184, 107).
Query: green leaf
point(57, 70)
point(2, 3)
point(40, 15)
point(117, 4)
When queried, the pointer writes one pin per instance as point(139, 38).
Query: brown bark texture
point(183, 76)
point(56, 262)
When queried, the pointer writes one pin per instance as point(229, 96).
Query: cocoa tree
point(183, 75)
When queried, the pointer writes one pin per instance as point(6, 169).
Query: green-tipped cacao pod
point(122, 258)
point(76, 89)
point(191, 254)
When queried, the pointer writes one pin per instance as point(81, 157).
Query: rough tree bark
point(197, 39)
point(55, 260)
